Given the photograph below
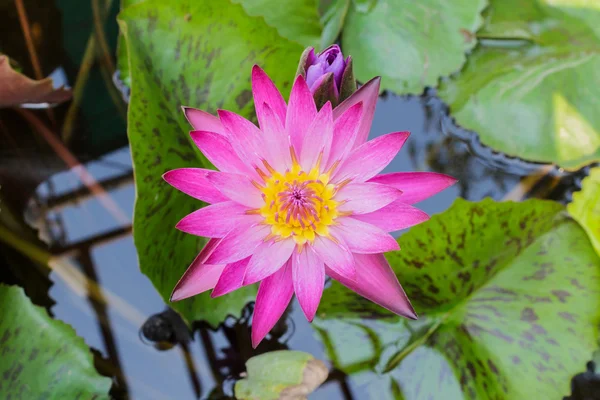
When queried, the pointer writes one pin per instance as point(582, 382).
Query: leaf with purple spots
point(197, 54)
point(42, 358)
point(508, 296)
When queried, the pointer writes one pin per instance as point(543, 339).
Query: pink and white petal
point(345, 129)
point(194, 182)
point(276, 140)
point(369, 159)
point(219, 152)
point(267, 259)
point(238, 244)
point(362, 198)
point(300, 113)
point(416, 186)
point(245, 138)
point(274, 295)
point(308, 273)
point(376, 281)
point(203, 121)
point(364, 238)
point(317, 139)
point(238, 188)
point(265, 91)
point(367, 94)
point(199, 277)
point(231, 278)
point(394, 216)
point(335, 255)
point(215, 221)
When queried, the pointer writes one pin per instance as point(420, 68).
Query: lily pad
point(585, 207)
point(283, 374)
point(410, 44)
point(509, 302)
point(526, 89)
point(43, 358)
point(296, 20)
point(198, 54)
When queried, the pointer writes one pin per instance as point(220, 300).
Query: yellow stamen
point(297, 203)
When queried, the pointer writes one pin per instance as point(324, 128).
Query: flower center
point(298, 204)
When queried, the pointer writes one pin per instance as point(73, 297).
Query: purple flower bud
point(317, 66)
point(328, 75)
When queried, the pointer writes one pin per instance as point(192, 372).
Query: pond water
point(125, 319)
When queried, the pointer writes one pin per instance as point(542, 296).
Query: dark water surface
point(111, 320)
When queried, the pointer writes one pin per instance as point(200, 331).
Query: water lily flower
point(298, 199)
point(328, 75)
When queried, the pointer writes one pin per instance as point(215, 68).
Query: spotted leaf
point(42, 358)
point(508, 296)
point(198, 54)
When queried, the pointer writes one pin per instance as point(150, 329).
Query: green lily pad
point(509, 301)
point(410, 44)
point(283, 374)
point(296, 20)
point(526, 90)
point(585, 207)
point(42, 358)
point(198, 54)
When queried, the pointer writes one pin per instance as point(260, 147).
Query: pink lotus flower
point(296, 200)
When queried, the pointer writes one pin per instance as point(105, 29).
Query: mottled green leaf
point(526, 90)
point(509, 301)
point(296, 20)
point(283, 374)
point(42, 358)
point(333, 13)
point(585, 207)
point(199, 54)
point(410, 44)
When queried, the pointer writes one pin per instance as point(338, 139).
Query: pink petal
point(394, 216)
point(345, 129)
point(369, 159)
point(317, 140)
point(238, 244)
point(219, 152)
point(217, 220)
point(364, 238)
point(367, 94)
point(276, 140)
point(416, 186)
point(237, 188)
point(231, 278)
point(203, 121)
point(245, 138)
point(265, 91)
point(194, 182)
point(274, 295)
point(361, 198)
point(308, 273)
point(376, 281)
point(267, 259)
point(336, 256)
point(199, 277)
point(300, 113)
